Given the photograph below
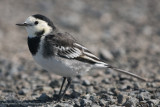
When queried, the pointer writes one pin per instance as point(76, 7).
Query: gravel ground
point(123, 33)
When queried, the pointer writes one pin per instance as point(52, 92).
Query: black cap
point(44, 18)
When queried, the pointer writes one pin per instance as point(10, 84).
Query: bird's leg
point(64, 79)
point(68, 84)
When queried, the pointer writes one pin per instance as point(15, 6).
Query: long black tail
point(127, 73)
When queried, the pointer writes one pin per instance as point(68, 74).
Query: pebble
point(85, 102)
point(145, 95)
point(94, 98)
point(102, 102)
point(77, 103)
point(21, 92)
point(106, 55)
point(136, 86)
point(154, 101)
point(106, 97)
point(75, 94)
point(131, 102)
point(95, 105)
point(89, 89)
point(44, 97)
point(86, 82)
point(54, 84)
point(140, 97)
point(106, 81)
point(120, 98)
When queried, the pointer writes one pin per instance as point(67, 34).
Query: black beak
point(23, 24)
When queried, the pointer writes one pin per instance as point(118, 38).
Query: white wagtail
point(59, 52)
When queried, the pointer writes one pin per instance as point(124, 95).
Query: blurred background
point(124, 33)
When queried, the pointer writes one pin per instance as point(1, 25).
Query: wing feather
point(68, 47)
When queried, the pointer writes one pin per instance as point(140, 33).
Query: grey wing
point(67, 47)
point(80, 53)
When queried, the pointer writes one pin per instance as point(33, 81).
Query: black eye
point(36, 22)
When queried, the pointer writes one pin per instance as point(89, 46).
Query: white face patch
point(42, 25)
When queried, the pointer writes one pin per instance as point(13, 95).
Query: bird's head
point(37, 25)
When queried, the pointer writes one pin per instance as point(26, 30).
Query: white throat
point(41, 26)
point(32, 33)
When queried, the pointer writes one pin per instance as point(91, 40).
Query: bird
point(60, 53)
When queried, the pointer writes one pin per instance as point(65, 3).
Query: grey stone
point(77, 103)
point(85, 102)
point(154, 102)
point(102, 102)
point(140, 97)
point(44, 97)
point(105, 54)
point(145, 95)
point(131, 102)
point(86, 83)
point(94, 98)
point(54, 83)
point(106, 81)
point(136, 86)
point(120, 98)
point(75, 94)
point(106, 97)
point(95, 105)
point(21, 92)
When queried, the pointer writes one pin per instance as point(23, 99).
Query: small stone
point(102, 102)
point(106, 55)
point(95, 105)
point(149, 84)
point(39, 88)
point(44, 97)
point(54, 83)
point(58, 105)
point(115, 91)
point(76, 103)
point(144, 104)
point(89, 89)
point(85, 102)
point(21, 92)
point(131, 102)
point(154, 102)
point(86, 83)
point(140, 97)
point(106, 81)
point(75, 94)
point(120, 98)
point(106, 97)
point(94, 98)
point(145, 95)
point(136, 86)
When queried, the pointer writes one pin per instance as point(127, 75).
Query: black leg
point(64, 79)
point(68, 84)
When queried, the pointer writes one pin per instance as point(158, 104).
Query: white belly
point(53, 65)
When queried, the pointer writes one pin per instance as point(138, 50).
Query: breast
point(53, 65)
